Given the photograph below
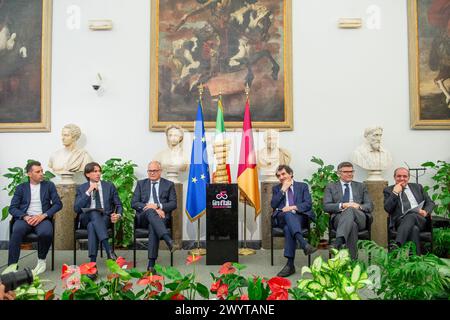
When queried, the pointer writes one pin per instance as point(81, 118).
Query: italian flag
point(221, 169)
point(247, 173)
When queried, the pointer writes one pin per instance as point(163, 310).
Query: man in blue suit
point(97, 204)
point(33, 206)
point(154, 199)
point(292, 205)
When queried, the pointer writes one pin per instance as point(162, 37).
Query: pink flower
point(88, 268)
point(244, 297)
point(193, 258)
point(67, 271)
point(222, 292)
point(215, 286)
point(122, 263)
point(227, 268)
point(149, 280)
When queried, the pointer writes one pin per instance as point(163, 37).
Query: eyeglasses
point(153, 171)
point(352, 171)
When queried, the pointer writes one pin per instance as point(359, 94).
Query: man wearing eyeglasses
point(154, 199)
point(350, 207)
point(408, 206)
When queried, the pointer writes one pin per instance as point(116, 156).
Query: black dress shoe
point(309, 249)
point(173, 246)
point(93, 277)
point(286, 271)
point(152, 270)
point(113, 256)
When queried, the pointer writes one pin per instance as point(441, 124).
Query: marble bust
point(173, 160)
point(371, 155)
point(71, 159)
point(271, 156)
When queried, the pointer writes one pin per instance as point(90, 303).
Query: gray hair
point(156, 162)
point(75, 130)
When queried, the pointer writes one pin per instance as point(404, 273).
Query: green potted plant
point(324, 175)
point(403, 275)
point(121, 174)
point(441, 189)
point(336, 279)
point(17, 176)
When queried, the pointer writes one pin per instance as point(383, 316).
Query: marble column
point(379, 225)
point(64, 219)
point(177, 218)
point(266, 213)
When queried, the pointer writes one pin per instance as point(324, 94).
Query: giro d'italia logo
point(222, 201)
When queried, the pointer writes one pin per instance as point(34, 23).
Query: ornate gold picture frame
point(222, 45)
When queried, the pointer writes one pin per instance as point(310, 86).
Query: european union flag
point(198, 171)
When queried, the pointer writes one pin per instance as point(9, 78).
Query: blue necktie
point(346, 197)
point(290, 196)
point(154, 194)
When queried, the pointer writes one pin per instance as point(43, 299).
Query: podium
point(221, 224)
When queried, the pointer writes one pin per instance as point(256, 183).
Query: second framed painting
point(25, 65)
point(429, 63)
point(221, 46)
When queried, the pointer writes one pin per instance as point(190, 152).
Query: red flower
point(279, 295)
point(222, 292)
point(153, 293)
point(178, 296)
point(152, 278)
point(215, 286)
point(66, 271)
point(157, 285)
point(244, 297)
point(277, 284)
point(88, 268)
point(227, 268)
point(193, 258)
point(127, 287)
point(121, 262)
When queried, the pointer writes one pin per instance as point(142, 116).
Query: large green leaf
point(202, 290)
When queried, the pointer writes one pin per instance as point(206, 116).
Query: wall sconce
point(100, 25)
point(98, 85)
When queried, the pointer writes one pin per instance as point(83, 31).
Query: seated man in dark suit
point(154, 199)
point(97, 204)
point(292, 205)
point(33, 206)
point(400, 198)
point(350, 206)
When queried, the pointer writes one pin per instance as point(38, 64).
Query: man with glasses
point(349, 205)
point(407, 213)
point(154, 199)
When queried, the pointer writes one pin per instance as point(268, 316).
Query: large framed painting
point(25, 65)
point(221, 45)
point(429, 63)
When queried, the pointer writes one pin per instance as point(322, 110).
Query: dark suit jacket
point(393, 206)
point(302, 199)
point(333, 197)
point(51, 203)
point(167, 195)
point(111, 199)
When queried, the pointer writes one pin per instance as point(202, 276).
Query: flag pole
point(246, 251)
point(199, 251)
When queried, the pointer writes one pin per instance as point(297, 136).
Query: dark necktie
point(346, 197)
point(154, 194)
point(96, 196)
point(290, 196)
point(406, 205)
